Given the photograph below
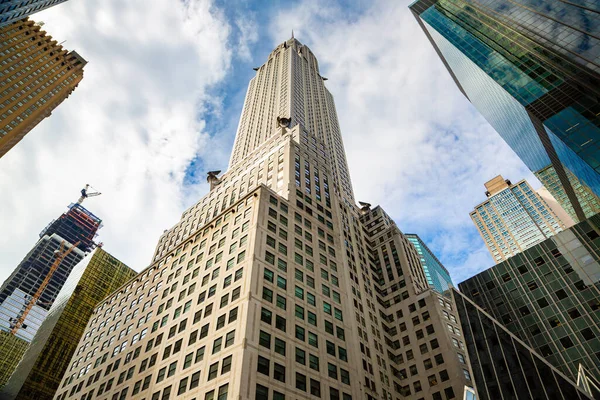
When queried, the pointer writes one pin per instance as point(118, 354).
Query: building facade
point(504, 367)
point(513, 218)
point(532, 69)
point(77, 225)
point(14, 10)
point(549, 297)
point(436, 274)
point(590, 203)
point(39, 373)
point(12, 349)
point(37, 75)
point(275, 284)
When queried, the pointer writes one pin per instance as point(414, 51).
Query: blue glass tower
point(437, 275)
point(532, 69)
point(14, 10)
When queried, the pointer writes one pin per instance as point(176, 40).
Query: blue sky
point(160, 102)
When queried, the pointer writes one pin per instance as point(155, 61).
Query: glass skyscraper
point(14, 10)
point(549, 296)
point(45, 361)
point(437, 275)
point(532, 69)
point(504, 367)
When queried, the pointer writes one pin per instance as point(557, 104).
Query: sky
point(160, 101)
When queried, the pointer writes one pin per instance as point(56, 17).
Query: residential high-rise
point(504, 367)
point(532, 69)
point(37, 75)
point(436, 274)
point(513, 218)
point(14, 10)
point(275, 284)
point(39, 373)
point(549, 296)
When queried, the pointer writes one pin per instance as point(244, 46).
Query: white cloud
point(130, 129)
point(415, 145)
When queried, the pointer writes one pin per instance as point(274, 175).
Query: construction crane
point(59, 255)
point(85, 194)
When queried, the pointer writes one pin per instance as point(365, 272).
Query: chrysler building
point(276, 285)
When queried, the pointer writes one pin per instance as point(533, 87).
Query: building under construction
point(29, 292)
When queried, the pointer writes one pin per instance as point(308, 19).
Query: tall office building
point(590, 203)
point(532, 69)
point(275, 285)
point(37, 75)
point(504, 367)
point(14, 10)
point(513, 218)
point(436, 274)
point(549, 296)
point(39, 373)
point(75, 225)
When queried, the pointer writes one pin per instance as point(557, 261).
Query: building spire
point(292, 33)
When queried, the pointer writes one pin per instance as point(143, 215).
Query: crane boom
point(60, 256)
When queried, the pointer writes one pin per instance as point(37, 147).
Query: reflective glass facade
point(503, 366)
point(436, 274)
point(549, 296)
point(590, 203)
point(14, 10)
point(538, 90)
point(39, 373)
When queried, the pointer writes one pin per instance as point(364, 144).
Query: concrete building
point(513, 218)
point(14, 10)
point(275, 284)
point(37, 75)
point(39, 373)
point(532, 69)
point(549, 297)
point(436, 274)
point(504, 367)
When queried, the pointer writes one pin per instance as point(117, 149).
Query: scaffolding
point(76, 225)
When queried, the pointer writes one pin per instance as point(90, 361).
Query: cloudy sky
point(160, 102)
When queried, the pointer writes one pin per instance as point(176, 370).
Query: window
point(212, 371)
point(226, 367)
point(332, 371)
point(301, 382)
point(279, 372)
point(315, 388)
point(263, 365)
point(280, 346)
point(264, 339)
point(262, 392)
point(313, 362)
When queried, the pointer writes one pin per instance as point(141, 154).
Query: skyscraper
point(549, 297)
point(436, 274)
point(14, 10)
point(513, 218)
point(76, 225)
point(46, 360)
point(275, 284)
point(532, 69)
point(504, 367)
point(37, 75)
